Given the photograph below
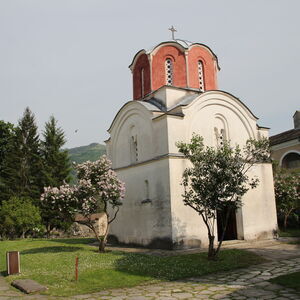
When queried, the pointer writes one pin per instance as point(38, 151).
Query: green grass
point(290, 233)
point(51, 262)
point(291, 280)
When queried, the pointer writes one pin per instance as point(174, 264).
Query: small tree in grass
point(18, 216)
point(287, 193)
point(97, 188)
point(218, 179)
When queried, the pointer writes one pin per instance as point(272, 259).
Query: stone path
point(249, 283)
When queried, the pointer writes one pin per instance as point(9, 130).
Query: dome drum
point(192, 66)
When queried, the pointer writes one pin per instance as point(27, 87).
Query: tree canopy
point(23, 166)
point(218, 179)
point(287, 193)
point(98, 188)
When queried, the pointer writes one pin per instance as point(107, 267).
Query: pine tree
point(23, 168)
point(56, 160)
point(56, 170)
point(6, 136)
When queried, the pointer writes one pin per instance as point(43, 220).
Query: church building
point(175, 94)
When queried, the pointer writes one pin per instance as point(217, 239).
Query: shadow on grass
point(55, 249)
point(73, 241)
point(290, 232)
point(184, 266)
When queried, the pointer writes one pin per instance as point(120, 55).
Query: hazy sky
point(69, 58)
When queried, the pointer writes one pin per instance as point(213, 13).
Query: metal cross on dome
point(172, 29)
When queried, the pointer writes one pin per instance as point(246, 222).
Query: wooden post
point(76, 268)
point(13, 262)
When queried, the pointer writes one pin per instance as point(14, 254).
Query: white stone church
point(175, 94)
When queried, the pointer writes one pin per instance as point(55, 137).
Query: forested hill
point(90, 152)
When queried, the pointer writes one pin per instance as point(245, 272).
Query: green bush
point(18, 217)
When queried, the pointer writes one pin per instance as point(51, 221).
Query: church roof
point(153, 104)
point(186, 100)
point(182, 43)
point(160, 106)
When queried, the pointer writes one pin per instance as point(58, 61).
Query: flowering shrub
point(97, 187)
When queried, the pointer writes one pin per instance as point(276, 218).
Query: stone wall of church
point(141, 77)
point(145, 216)
point(158, 67)
point(153, 214)
point(132, 137)
point(259, 208)
point(256, 219)
point(188, 229)
point(149, 68)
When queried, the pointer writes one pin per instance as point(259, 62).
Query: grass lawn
point(51, 262)
point(291, 280)
point(290, 233)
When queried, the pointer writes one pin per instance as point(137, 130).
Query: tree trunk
point(211, 249)
point(102, 241)
point(48, 231)
point(102, 244)
point(224, 231)
point(285, 221)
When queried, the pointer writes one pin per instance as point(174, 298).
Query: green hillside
point(90, 152)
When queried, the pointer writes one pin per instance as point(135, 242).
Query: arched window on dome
point(142, 83)
point(201, 76)
point(169, 71)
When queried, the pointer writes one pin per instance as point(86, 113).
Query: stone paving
point(249, 283)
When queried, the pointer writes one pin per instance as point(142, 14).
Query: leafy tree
point(18, 216)
point(98, 188)
point(56, 170)
point(6, 136)
point(218, 179)
point(23, 168)
point(287, 193)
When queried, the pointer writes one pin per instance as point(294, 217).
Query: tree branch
point(111, 220)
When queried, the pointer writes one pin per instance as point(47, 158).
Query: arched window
point(200, 76)
point(142, 83)
point(133, 149)
point(169, 71)
point(220, 130)
point(291, 161)
point(220, 135)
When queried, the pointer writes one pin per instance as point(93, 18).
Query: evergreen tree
point(6, 136)
point(56, 171)
point(23, 168)
point(56, 161)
